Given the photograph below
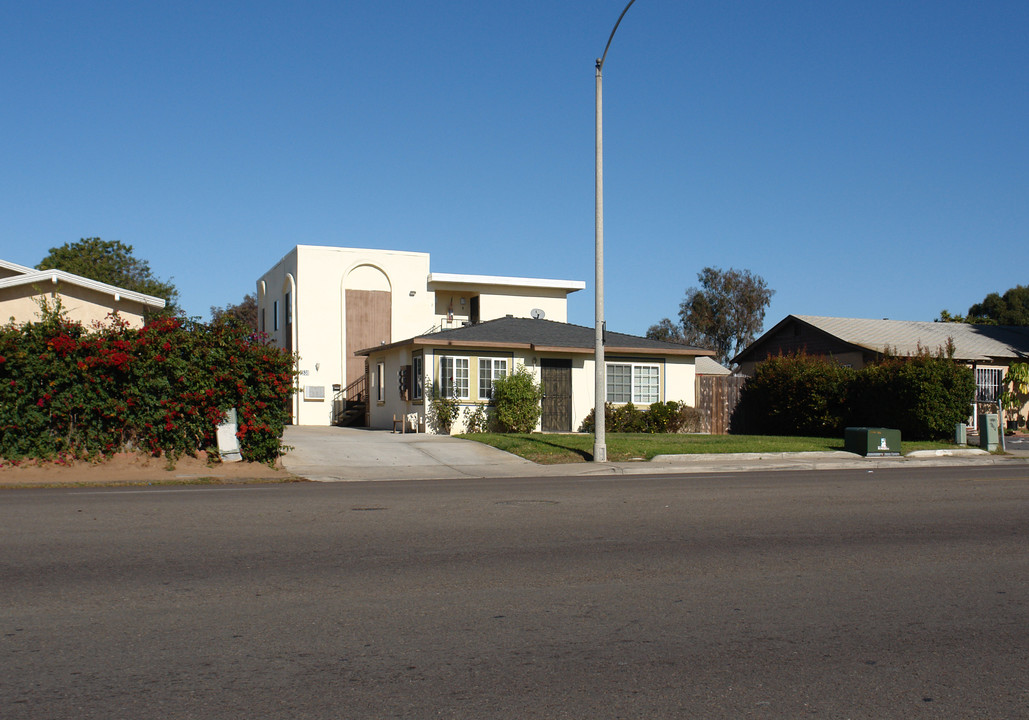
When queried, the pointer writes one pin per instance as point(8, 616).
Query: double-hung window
point(638, 383)
point(490, 369)
point(453, 377)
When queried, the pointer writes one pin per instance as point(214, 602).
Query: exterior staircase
point(350, 406)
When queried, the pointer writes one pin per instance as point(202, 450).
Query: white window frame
point(450, 371)
point(637, 373)
point(418, 376)
point(380, 381)
point(275, 314)
point(490, 369)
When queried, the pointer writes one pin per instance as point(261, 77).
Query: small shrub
point(686, 420)
point(628, 418)
point(443, 411)
point(477, 420)
point(517, 401)
point(667, 417)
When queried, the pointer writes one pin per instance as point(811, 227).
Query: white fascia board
point(56, 276)
point(457, 279)
point(16, 267)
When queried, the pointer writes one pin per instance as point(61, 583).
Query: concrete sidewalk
point(331, 454)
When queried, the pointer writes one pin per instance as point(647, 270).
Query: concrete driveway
point(344, 453)
point(330, 454)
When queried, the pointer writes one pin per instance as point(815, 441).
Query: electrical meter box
point(872, 442)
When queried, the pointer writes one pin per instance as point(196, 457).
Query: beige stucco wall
point(82, 305)
point(496, 301)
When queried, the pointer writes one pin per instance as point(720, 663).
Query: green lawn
point(548, 449)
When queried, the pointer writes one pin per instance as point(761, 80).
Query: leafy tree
point(111, 262)
point(243, 314)
point(1011, 308)
point(946, 317)
point(725, 313)
point(667, 331)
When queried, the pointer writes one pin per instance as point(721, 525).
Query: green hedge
point(69, 391)
point(795, 395)
point(923, 396)
point(668, 417)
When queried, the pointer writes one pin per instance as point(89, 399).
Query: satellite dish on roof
point(537, 314)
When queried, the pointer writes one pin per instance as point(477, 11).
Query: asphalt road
point(886, 594)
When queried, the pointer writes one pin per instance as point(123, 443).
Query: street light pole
point(600, 376)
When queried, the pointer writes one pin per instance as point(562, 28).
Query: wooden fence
point(717, 396)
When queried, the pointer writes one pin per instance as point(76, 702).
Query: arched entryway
point(368, 312)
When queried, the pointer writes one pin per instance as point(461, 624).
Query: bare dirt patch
point(132, 469)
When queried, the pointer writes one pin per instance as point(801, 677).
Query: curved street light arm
point(600, 60)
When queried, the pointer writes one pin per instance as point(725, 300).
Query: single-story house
point(988, 349)
point(326, 303)
point(464, 361)
point(85, 301)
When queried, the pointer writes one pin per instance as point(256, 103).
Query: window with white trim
point(638, 383)
point(418, 381)
point(453, 377)
point(490, 369)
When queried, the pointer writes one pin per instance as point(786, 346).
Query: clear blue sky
point(868, 159)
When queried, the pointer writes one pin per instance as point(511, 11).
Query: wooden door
point(557, 395)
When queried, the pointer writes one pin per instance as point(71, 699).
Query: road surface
point(887, 594)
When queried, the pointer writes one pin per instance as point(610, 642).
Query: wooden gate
point(717, 396)
point(557, 395)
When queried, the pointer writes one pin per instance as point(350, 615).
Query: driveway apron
point(341, 453)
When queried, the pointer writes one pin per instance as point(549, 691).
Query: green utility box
point(989, 432)
point(871, 442)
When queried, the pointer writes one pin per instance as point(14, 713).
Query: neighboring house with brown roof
point(22, 289)
point(464, 362)
point(988, 349)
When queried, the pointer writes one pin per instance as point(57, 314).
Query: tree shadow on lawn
point(540, 440)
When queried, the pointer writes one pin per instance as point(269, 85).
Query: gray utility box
point(871, 442)
point(989, 432)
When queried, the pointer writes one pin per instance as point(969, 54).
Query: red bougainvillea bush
point(67, 391)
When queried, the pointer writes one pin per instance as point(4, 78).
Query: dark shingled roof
point(540, 335)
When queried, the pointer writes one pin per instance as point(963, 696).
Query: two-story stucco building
point(326, 303)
